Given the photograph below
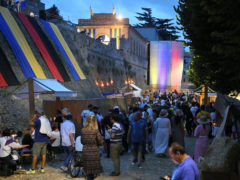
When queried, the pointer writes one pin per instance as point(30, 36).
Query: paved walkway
point(153, 168)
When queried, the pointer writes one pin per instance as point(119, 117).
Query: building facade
point(114, 31)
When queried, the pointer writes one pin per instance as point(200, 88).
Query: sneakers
point(64, 168)
point(31, 171)
point(139, 166)
point(42, 170)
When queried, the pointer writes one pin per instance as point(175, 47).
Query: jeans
point(68, 154)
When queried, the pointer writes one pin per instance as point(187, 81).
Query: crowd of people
point(156, 123)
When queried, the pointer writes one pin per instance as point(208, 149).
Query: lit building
point(117, 32)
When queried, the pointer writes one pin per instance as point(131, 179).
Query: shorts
point(138, 147)
point(39, 148)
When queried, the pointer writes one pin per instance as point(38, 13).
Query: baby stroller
point(75, 165)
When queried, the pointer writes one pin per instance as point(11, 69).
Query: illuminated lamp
point(31, 14)
point(125, 82)
point(111, 82)
point(78, 30)
point(107, 84)
point(102, 84)
point(97, 83)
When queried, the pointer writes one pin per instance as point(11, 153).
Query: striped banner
point(23, 44)
point(6, 70)
point(61, 44)
point(51, 50)
point(3, 83)
point(37, 40)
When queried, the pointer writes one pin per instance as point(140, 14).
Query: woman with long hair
point(91, 139)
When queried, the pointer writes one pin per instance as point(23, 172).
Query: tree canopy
point(211, 28)
point(53, 13)
point(165, 27)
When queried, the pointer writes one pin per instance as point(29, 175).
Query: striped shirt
point(117, 130)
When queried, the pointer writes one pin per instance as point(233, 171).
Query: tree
point(164, 27)
point(210, 28)
point(53, 13)
point(147, 18)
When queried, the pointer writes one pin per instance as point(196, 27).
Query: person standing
point(177, 123)
point(116, 144)
point(163, 132)
point(40, 143)
point(138, 135)
point(186, 168)
point(85, 113)
point(201, 132)
point(91, 139)
point(67, 135)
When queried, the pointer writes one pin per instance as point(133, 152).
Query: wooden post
point(205, 95)
point(31, 98)
point(58, 103)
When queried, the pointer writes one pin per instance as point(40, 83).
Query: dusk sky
point(79, 9)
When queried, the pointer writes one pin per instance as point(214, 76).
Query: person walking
point(163, 132)
point(116, 144)
point(138, 134)
point(91, 139)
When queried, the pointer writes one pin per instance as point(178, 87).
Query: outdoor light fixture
point(97, 83)
point(31, 14)
point(125, 82)
point(111, 82)
point(107, 84)
point(102, 84)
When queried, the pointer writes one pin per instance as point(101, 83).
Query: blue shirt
point(187, 170)
point(138, 131)
point(39, 137)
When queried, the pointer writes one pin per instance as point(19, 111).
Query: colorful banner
point(61, 44)
point(166, 64)
point(3, 83)
point(6, 70)
point(38, 42)
point(22, 42)
point(51, 50)
point(22, 60)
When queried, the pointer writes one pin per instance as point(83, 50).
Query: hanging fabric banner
point(22, 42)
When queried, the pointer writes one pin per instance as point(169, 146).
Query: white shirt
point(5, 150)
point(78, 144)
point(55, 135)
point(67, 127)
point(85, 114)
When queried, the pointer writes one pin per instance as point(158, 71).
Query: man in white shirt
point(67, 135)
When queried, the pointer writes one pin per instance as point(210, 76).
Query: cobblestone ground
point(153, 168)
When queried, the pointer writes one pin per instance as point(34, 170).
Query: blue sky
point(79, 9)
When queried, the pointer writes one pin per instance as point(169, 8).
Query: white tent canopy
point(47, 86)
